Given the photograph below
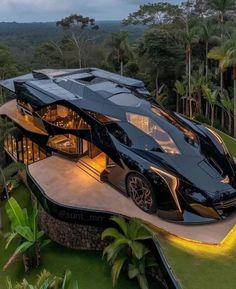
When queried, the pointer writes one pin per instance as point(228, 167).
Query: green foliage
point(46, 280)
point(202, 118)
point(119, 51)
point(9, 177)
point(7, 63)
point(152, 14)
point(180, 88)
point(25, 227)
point(225, 53)
point(128, 250)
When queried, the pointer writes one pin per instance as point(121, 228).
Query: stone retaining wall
point(73, 236)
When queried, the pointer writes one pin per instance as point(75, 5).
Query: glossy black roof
point(85, 88)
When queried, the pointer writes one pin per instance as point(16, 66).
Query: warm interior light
point(226, 180)
point(151, 128)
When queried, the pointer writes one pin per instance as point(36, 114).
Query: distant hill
point(19, 34)
point(24, 38)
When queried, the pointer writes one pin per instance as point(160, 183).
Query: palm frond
point(116, 269)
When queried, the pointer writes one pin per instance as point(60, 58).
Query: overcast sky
point(51, 10)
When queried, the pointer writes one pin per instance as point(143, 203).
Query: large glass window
point(66, 143)
point(151, 128)
point(62, 116)
point(24, 150)
point(189, 136)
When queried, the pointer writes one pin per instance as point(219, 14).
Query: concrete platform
point(9, 109)
point(67, 184)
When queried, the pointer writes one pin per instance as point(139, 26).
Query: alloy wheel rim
point(140, 192)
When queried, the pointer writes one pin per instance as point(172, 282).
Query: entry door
point(93, 151)
point(83, 147)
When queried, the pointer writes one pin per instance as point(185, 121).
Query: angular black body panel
point(170, 165)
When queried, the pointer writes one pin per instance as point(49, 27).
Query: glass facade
point(24, 150)
point(66, 143)
point(63, 117)
point(151, 128)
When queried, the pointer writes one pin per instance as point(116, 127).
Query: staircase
point(92, 168)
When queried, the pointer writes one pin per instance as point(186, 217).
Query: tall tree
point(226, 55)
point(189, 37)
point(228, 107)
point(157, 51)
point(180, 92)
point(211, 97)
point(221, 8)
point(207, 33)
point(119, 49)
point(78, 26)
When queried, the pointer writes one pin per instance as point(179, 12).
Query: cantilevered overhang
point(9, 84)
point(10, 110)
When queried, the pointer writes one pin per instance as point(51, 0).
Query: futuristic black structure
point(166, 163)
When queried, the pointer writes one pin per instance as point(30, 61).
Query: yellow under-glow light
point(198, 248)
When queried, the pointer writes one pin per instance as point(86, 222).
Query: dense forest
point(185, 54)
point(23, 39)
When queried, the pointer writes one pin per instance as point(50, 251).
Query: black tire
point(141, 192)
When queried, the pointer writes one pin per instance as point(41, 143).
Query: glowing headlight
point(171, 181)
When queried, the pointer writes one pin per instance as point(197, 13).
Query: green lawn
point(87, 266)
point(200, 266)
point(229, 141)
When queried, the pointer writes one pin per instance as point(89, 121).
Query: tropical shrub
point(46, 280)
point(25, 227)
point(128, 251)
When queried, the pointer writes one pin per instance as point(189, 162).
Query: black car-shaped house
point(166, 163)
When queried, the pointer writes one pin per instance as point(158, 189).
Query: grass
point(229, 141)
point(200, 266)
point(86, 266)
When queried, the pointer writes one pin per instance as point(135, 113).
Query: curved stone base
point(72, 236)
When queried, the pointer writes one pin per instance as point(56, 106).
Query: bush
point(202, 118)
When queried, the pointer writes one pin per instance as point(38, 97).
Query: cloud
point(51, 10)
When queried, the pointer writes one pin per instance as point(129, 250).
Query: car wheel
point(141, 192)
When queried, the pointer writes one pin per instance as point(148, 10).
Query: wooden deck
point(67, 184)
point(9, 109)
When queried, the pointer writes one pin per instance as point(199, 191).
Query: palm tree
point(228, 107)
point(119, 48)
point(211, 98)
point(226, 55)
point(128, 248)
point(198, 81)
point(25, 227)
point(46, 280)
point(189, 37)
point(137, 268)
point(206, 31)
point(180, 92)
point(221, 7)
